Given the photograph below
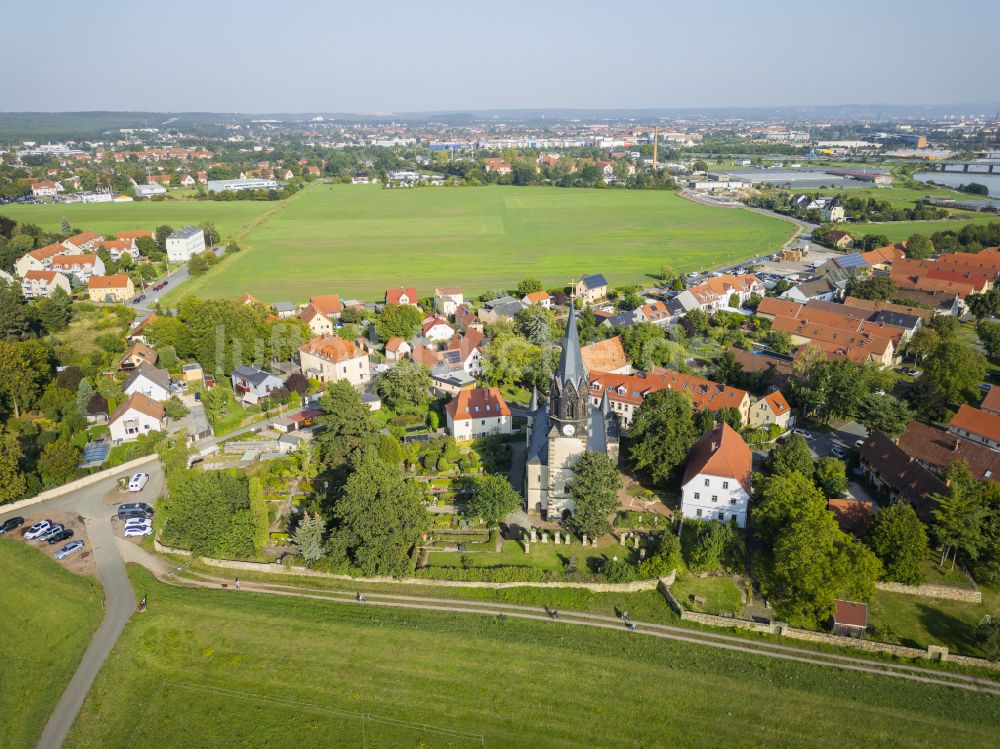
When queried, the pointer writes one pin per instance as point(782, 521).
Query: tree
point(147, 246)
point(661, 434)
point(55, 311)
point(919, 247)
point(705, 544)
point(537, 324)
point(640, 341)
point(594, 488)
point(923, 343)
point(493, 499)
point(831, 476)
point(406, 384)
point(730, 415)
point(663, 558)
point(197, 265)
point(883, 412)
point(781, 500)
point(211, 233)
point(24, 370)
point(876, 288)
point(728, 370)
point(899, 540)
point(84, 392)
point(347, 427)
point(401, 320)
point(174, 409)
point(12, 481)
point(987, 637)
point(14, 324)
point(989, 333)
point(308, 538)
point(791, 455)
point(956, 368)
point(779, 341)
point(58, 462)
point(161, 234)
point(699, 166)
point(209, 513)
point(945, 326)
point(379, 517)
point(959, 516)
point(297, 383)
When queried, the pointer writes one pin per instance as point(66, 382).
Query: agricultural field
point(238, 669)
point(229, 217)
point(47, 617)
point(359, 240)
point(897, 231)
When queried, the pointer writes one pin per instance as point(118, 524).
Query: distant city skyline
point(443, 55)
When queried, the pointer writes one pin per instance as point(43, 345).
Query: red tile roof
point(704, 394)
point(975, 421)
point(41, 275)
point(116, 281)
point(477, 403)
point(991, 402)
point(604, 356)
point(777, 403)
point(392, 296)
point(852, 515)
point(142, 404)
point(721, 452)
point(850, 613)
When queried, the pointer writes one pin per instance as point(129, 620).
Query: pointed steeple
point(605, 403)
point(533, 406)
point(571, 368)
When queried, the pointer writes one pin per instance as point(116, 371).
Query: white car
point(138, 482)
point(139, 523)
point(137, 530)
point(804, 433)
point(38, 530)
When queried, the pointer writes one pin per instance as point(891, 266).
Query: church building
point(563, 429)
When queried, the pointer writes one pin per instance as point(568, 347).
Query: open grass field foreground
point(221, 668)
point(358, 240)
point(47, 617)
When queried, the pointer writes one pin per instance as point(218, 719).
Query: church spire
point(571, 368)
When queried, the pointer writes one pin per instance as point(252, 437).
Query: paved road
point(176, 278)
point(96, 504)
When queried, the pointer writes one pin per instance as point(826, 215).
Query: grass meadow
point(47, 617)
point(359, 240)
point(220, 668)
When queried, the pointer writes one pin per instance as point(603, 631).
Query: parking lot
point(815, 256)
point(80, 562)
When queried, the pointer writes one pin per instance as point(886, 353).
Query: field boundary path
point(664, 631)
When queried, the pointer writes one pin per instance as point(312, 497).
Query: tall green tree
point(885, 413)
point(831, 476)
point(347, 429)
point(899, 540)
point(14, 323)
point(308, 538)
point(594, 488)
point(12, 480)
point(161, 234)
point(406, 384)
point(661, 434)
point(378, 518)
point(401, 320)
point(58, 462)
point(25, 368)
point(493, 499)
point(780, 501)
point(959, 516)
point(956, 368)
point(55, 311)
point(791, 455)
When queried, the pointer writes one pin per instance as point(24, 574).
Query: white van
point(138, 482)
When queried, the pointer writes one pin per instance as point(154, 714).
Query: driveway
point(95, 504)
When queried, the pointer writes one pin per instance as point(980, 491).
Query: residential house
point(396, 349)
point(498, 166)
point(136, 355)
point(331, 358)
point(318, 323)
point(118, 248)
point(626, 392)
point(114, 288)
point(42, 283)
point(478, 412)
point(152, 382)
point(87, 241)
point(504, 308)
point(977, 425)
point(465, 350)
point(716, 484)
point(991, 402)
point(854, 516)
point(465, 318)
point(606, 356)
point(81, 267)
point(188, 181)
point(447, 300)
point(898, 476)
point(774, 370)
point(329, 305)
point(46, 189)
point(402, 295)
point(41, 259)
point(252, 384)
point(192, 373)
point(850, 619)
point(833, 212)
point(537, 297)
point(592, 288)
point(445, 381)
point(436, 328)
point(936, 449)
point(842, 240)
point(284, 310)
point(656, 313)
point(771, 409)
point(139, 414)
point(184, 244)
point(881, 258)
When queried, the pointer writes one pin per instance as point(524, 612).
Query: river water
point(954, 179)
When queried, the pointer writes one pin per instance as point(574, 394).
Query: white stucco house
point(149, 381)
point(139, 414)
point(716, 482)
point(478, 412)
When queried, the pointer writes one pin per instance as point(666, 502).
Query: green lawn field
point(214, 668)
point(229, 217)
point(897, 231)
point(47, 617)
point(359, 240)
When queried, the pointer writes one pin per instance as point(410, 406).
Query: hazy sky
point(327, 55)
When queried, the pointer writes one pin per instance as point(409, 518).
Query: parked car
point(804, 433)
point(10, 524)
point(68, 549)
point(60, 536)
point(52, 531)
point(137, 530)
point(38, 529)
point(138, 521)
point(859, 443)
point(134, 510)
point(138, 481)
point(837, 452)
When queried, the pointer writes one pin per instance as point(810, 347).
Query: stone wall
point(946, 592)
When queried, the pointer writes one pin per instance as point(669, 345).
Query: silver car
point(70, 548)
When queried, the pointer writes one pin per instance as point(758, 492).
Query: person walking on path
point(237, 583)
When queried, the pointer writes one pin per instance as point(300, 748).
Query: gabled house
point(537, 297)
point(498, 166)
point(318, 323)
point(41, 259)
point(41, 283)
point(396, 349)
point(447, 300)
point(771, 409)
point(139, 414)
point(46, 189)
point(850, 619)
point(136, 355)
point(504, 308)
point(716, 483)
point(592, 288)
point(478, 412)
point(329, 305)
point(977, 425)
point(331, 358)
point(117, 248)
point(284, 310)
point(606, 356)
point(87, 241)
point(252, 384)
point(436, 328)
point(149, 381)
point(402, 295)
point(466, 351)
point(82, 267)
point(898, 476)
point(114, 288)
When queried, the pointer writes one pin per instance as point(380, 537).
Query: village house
point(41, 283)
point(842, 240)
point(504, 308)
point(87, 241)
point(397, 349)
point(46, 189)
point(152, 382)
point(898, 476)
point(606, 356)
point(41, 259)
point(139, 414)
point(284, 310)
point(115, 288)
point(447, 300)
point(656, 313)
point(716, 484)
point(833, 212)
point(318, 323)
point(936, 449)
point(771, 409)
point(592, 288)
point(118, 248)
point(537, 297)
point(436, 328)
point(626, 392)
point(465, 350)
point(136, 355)
point(402, 295)
point(478, 412)
point(328, 305)
point(251, 384)
point(184, 244)
point(187, 181)
point(716, 293)
point(977, 425)
point(330, 359)
point(81, 267)
point(498, 166)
